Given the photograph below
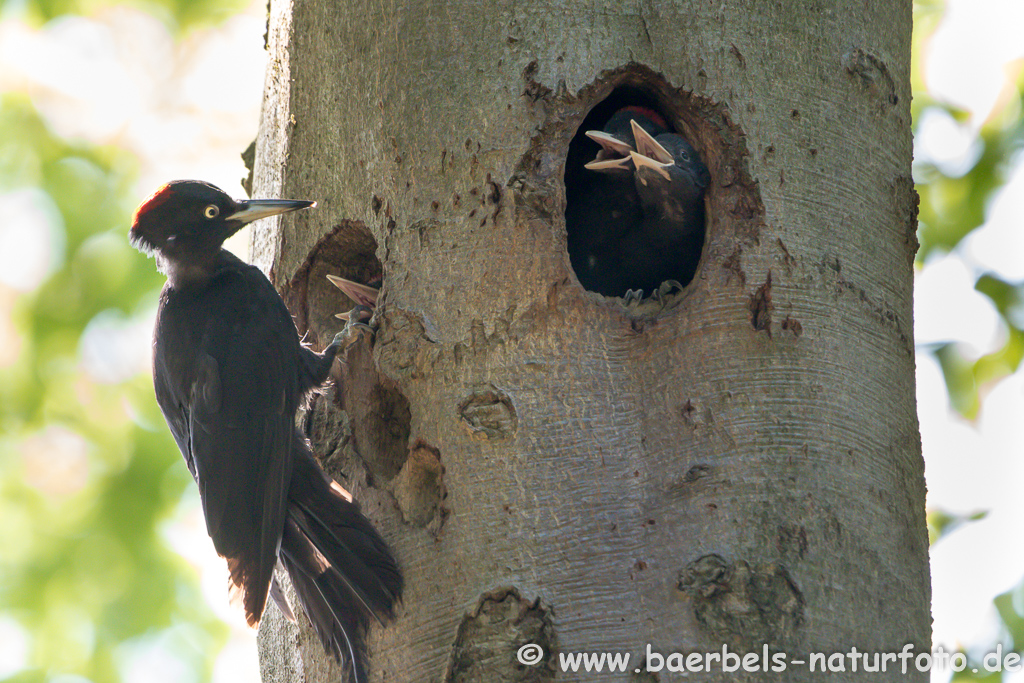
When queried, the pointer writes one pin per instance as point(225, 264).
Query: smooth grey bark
point(740, 467)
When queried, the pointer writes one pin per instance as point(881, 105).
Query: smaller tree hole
point(349, 251)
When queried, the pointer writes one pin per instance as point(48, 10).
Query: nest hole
point(636, 226)
point(378, 412)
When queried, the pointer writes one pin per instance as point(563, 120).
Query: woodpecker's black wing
point(217, 352)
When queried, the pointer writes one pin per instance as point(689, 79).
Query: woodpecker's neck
point(192, 273)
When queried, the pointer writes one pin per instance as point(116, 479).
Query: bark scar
point(761, 307)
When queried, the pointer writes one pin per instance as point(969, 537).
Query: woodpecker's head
point(185, 222)
point(669, 172)
point(190, 219)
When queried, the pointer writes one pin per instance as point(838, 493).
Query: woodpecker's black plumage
point(230, 374)
point(639, 221)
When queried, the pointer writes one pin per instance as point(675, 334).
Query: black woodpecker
point(230, 374)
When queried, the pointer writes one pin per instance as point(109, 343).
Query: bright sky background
point(188, 110)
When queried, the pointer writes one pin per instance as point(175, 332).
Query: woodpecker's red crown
point(190, 219)
point(656, 118)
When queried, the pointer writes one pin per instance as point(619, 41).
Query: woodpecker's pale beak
point(614, 164)
point(363, 295)
point(254, 209)
point(609, 143)
point(640, 161)
point(613, 155)
point(649, 147)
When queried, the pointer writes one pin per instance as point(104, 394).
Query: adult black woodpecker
point(602, 205)
point(230, 374)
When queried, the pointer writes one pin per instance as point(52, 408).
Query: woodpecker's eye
point(211, 211)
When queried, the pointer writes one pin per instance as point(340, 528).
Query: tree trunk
point(736, 465)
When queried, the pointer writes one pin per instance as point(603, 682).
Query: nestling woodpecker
point(230, 374)
point(670, 180)
point(364, 296)
point(602, 205)
point(638, 222)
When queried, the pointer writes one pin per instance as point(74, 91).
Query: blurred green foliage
point(180, 15)
point(87, 469)
point(941, 523)
point(951, 207)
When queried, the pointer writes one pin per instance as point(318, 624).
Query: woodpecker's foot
point(353, 333)
point(669, 287)
point(666, 288)
point(632, 296)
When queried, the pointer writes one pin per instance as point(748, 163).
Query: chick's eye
point(211, 211)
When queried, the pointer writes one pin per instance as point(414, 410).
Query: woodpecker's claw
point(670, 287)
point(352, 334)
point(633, 296)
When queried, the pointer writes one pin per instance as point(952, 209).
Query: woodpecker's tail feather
point(342, 570)
point(330, 607)
point(277, 593)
